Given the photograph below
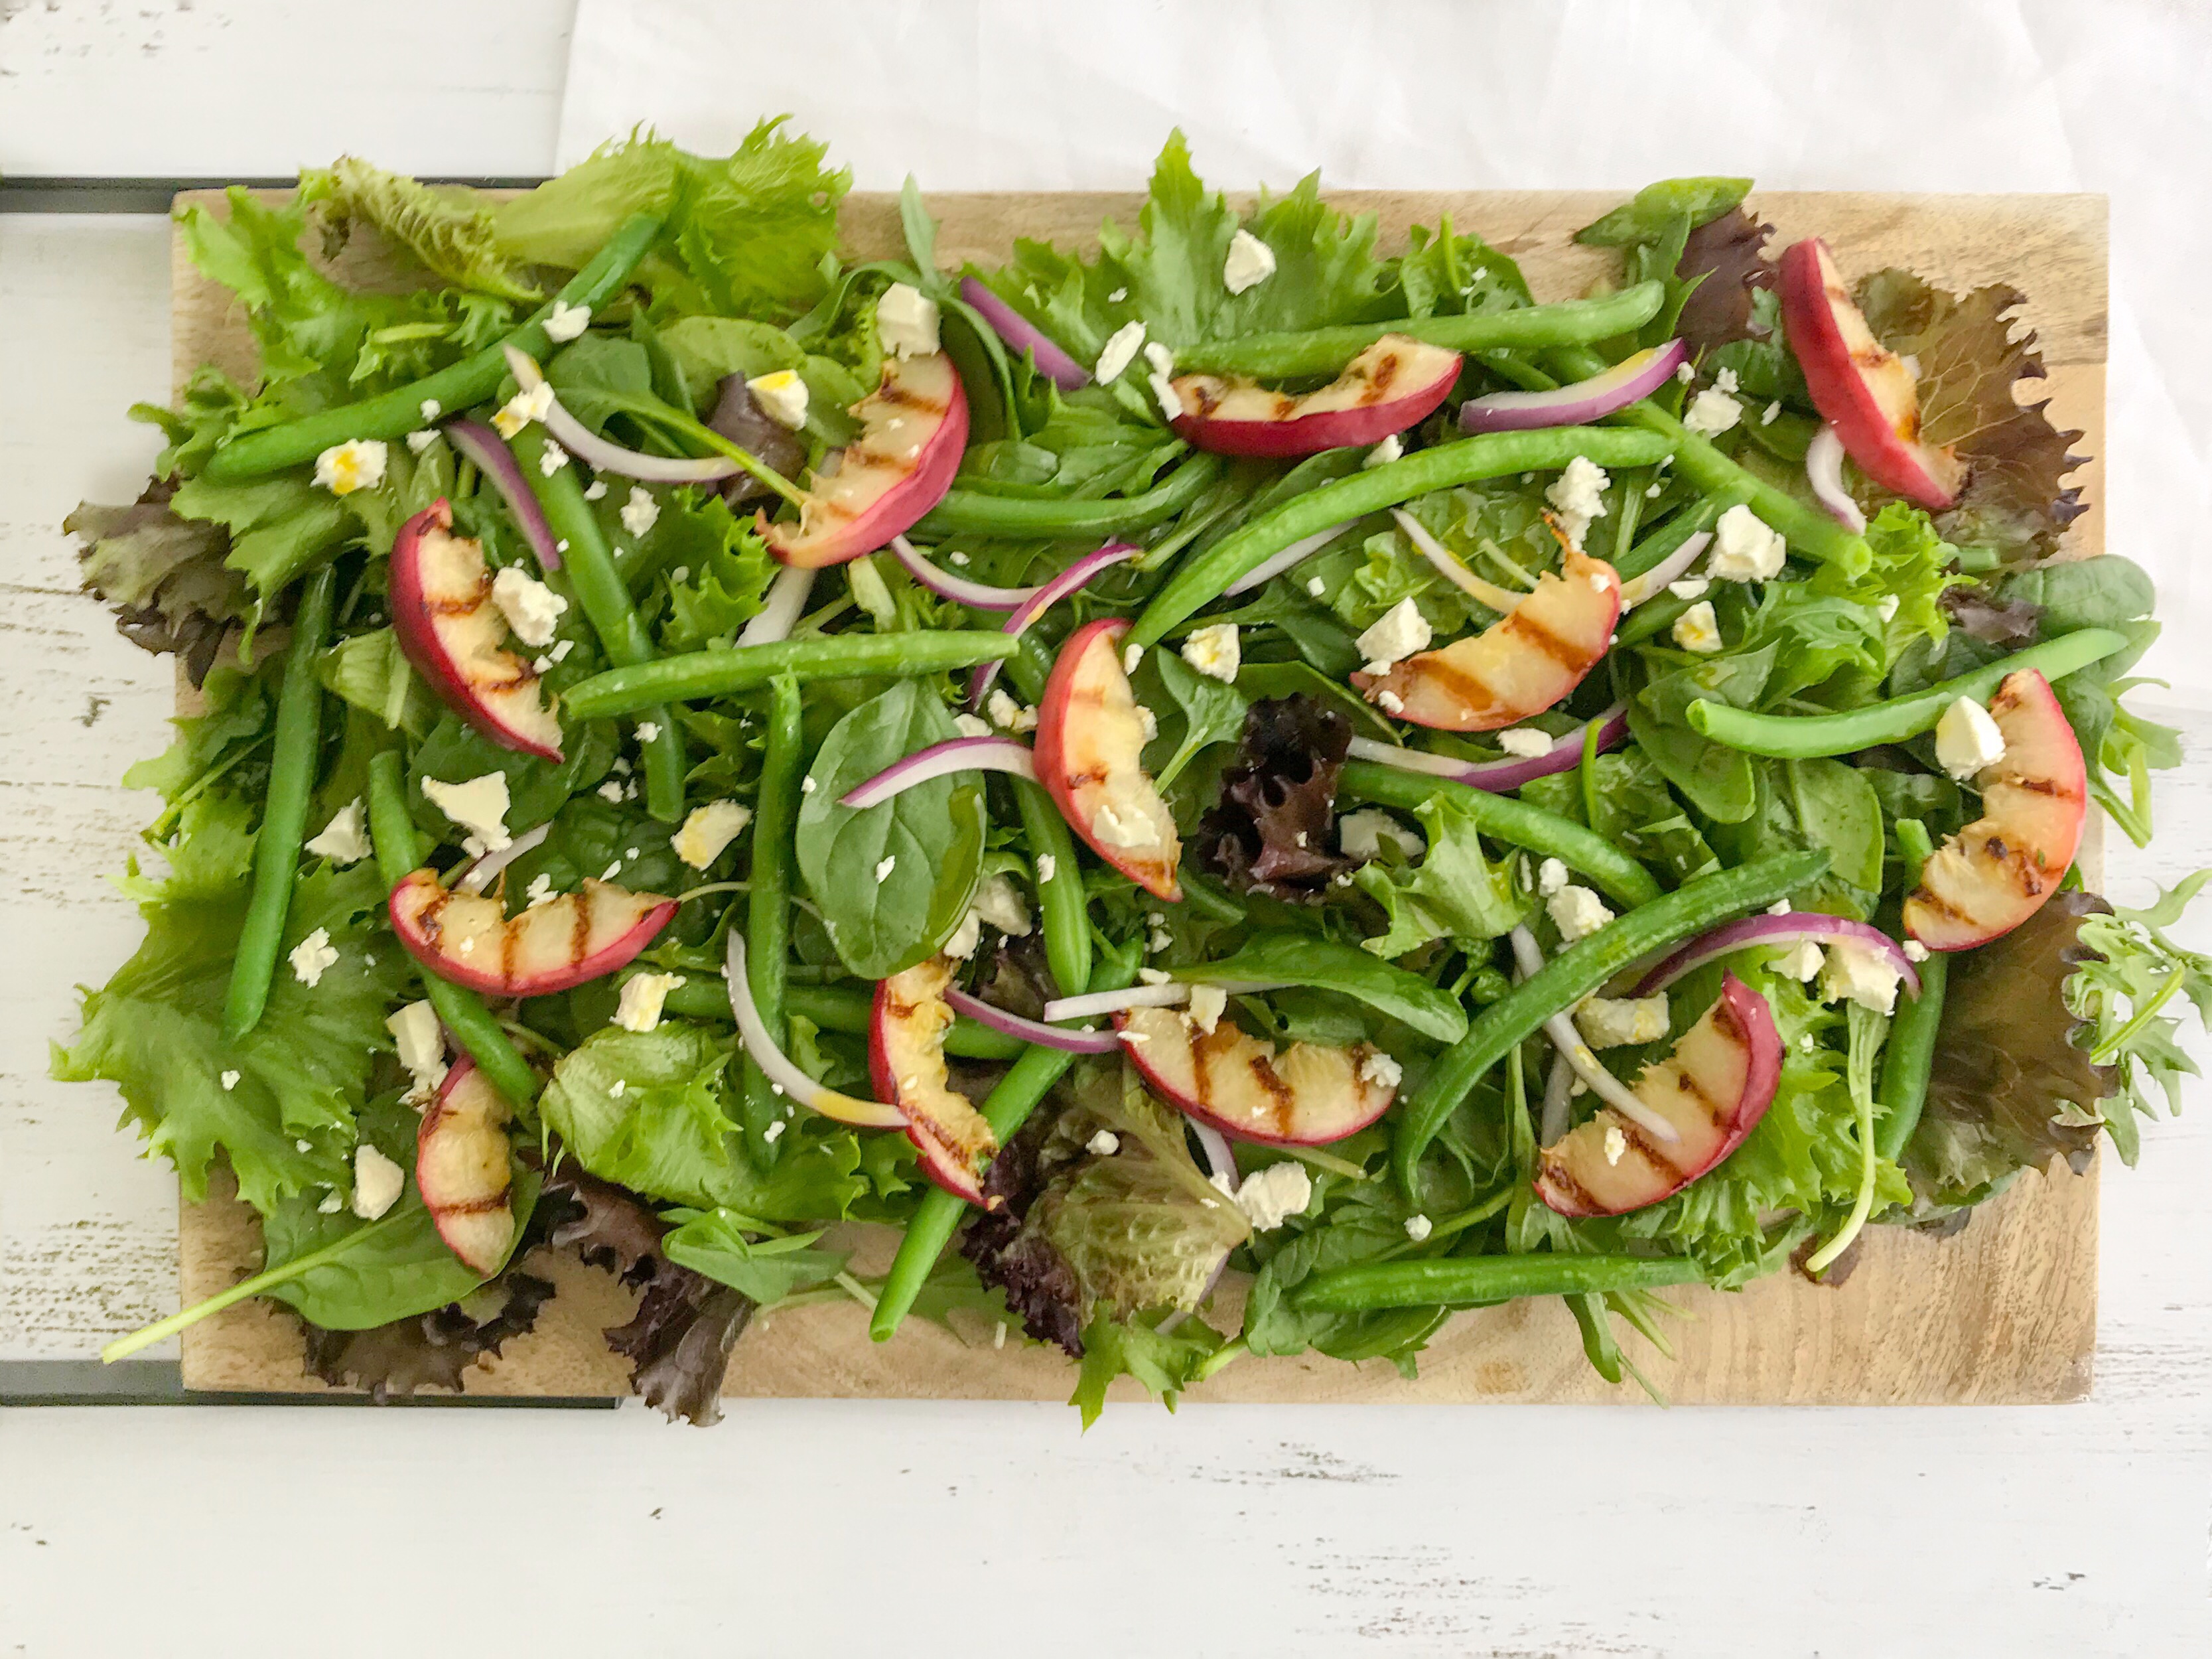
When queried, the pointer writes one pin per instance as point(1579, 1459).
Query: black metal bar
point(152, 195)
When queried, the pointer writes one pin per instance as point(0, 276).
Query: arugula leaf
point(893, 880)
point(1455, 892)
point(2134, 970)
point(446, 227)
point(714, 1243)
point(1290, 958)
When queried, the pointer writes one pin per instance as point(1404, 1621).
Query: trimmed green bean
point(843, 1009)
point(1807, 529)
point(938, 1214)
point(1529, 328)
point(728, 668)
point(392, 414)
point(1466, 1281)
point(1199, 580)
point(1910, 1053)
point(474, 1026)
point(971, 512)
point(1508, 819)
point(284, 812)
point(1063, 913)
point(588, 564)
point(1807, 736)
point(768, 896)
point(1575, 972)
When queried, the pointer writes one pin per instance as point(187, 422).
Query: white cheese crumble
point(1113, 827)
point(1616, 1144)
point(1711, 412)
point(1618, 1022)
point(551, 458)
point(597, 492)
point(1132, 654)
point(1271, 1196)
point(1690, 587)
point(1104, 1144)
point(1381, 1070)
point(1578, 495)
point(540, 892)
point(1008, 714)
point(1577, 912)
point(1250, 261)
point(566, 321)
point(1360, 835)
point(432, 409)
point(1967, 739)
point(1419, 1227)
point(1316, 586)
point(1698, 629)
point(611, 870)
point(1724, 380)
point(377, 1183)
point(419, 441)
point(1389, 703)
point(357, 463)
point(1771, 413)
point(960, 944)
point(523, 408)
point(1214, 652)
point(344, 839)
point(1745, 548)
point(638, 1007)
point(1397, 634)
point(1047, 867)
point(971, 725)
point(781, 396)
point(999, 902)
point(1801, 961)
point(885, 867)
point(1390, 449)
point(311, 956)
point(422, 1043)
point(1149, 722)
point(708, 829)
point(478, 805)
point(1525, 741)
point(906, 321)
point(1207, 1003)
point(774, 1130)
point(1915, 950)
point(1856, 973)
point(641, 512)
point(230, 1081)
point(1120, 351)
point(611, 792)
point(531, 609)
point(1161, 381)
point(1550, 877)
point(648, 731)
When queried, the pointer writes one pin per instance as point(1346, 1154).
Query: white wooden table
point(846, 1528)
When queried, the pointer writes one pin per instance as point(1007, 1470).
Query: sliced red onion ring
point(1653, 582)
point(496, 462)
point(1031, 1031)
point(786, 601)
point(1022, 334)
point(1497, 777)
point(1497, 598)
point(1528, 958)
point(777, 1068)
point(980, 596)
point(1628, 381)
point(939, 759)
point(1297, 553)
point(1220, 1157)
point(485, 871)
point(604, 454)
point(1051, 593)
point(1785, 929)
point(1824, 470)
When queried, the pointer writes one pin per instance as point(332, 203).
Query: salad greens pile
point(1413, 965)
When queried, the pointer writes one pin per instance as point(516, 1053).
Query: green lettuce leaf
point(1454, 892)
point(447, 229)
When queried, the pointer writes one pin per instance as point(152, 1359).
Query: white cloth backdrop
point(1862, 94)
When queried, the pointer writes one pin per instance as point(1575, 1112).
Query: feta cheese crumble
point(1690, 587)
point(708, 830)
point(1745, 548)
point(1118, 829)
point(377, 1183)
point(1007, 714)
point(1250, 262)
point(419, 441)
point(641, 512)
point(523, 408)
point(1360, 835)
point(1104, 1144)
point(1271, 1196)
point(344, 839)
point(1315, 586)
point(312, 955)
point(422, 1043)
point(971, 725)
point(230, 1081)
point(1214, 652)
point(1390, 449)
point(531, 609)
point(1550, 877)
point(1856, 973)
point(1616, 1144)
point(1381, 1070)
point(1132, 654)
point(638, 1007)
point(431, 409)
point(1618, 1022)
point(1801, 961)
point(1578, 495)
point(1577, 912)
point(1047, 866)
point(885, 867)
point(1419, 1227)
point(1525, 741)
point(1967, 739)
point(1207, 1003)
point(567, 322)
point(906, 321)
point(781, 396)
point(648, 731)
point(999, 902)
point(357, 463)
point(1915, 950)
point(1397, 634)
point(1711, 412)
point(1698, 629)
point(1120, 351)
point(479, 806)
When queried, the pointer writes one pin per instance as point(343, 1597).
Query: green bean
point(462, 1011)
point(1807, 529)
point(284, 810)
point(728, 668)
point(1029, 667)
point(768, 896)
point(970, 511)
point(1063, 914)
point(588, 564)
point(1699, 515)
point(1530, 328)
point(844, 1009)
point(1466, 1281)
point(1507, 819)
point(1576, 971)
point(938, 1213)
point(1199, 580)
point(1807, 736)
point(392, 414)
point(1906, 1062)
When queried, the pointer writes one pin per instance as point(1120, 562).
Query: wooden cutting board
point(2005, 1313)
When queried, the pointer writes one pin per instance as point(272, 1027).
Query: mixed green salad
point(1242, 792)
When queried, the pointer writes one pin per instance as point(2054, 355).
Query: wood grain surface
point(2003, 1314)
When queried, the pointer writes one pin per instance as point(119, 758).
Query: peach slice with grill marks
point(914, 429)
point(1306, 1096)
point(906, 1063)
point(1089, 745)
point(469, 938)
point(1714, 1088)
point(1395, 383)
point(1998, 870)
point(463, 1171)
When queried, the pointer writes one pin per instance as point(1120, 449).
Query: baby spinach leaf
point(1291, 958)
point(894, 879)
point(714, 1243)
point(1838, 809)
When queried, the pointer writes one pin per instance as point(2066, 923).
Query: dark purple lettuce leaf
point(1983, 614)
point(1273, 830)
point(1729, 253)
point(1039, 1283)
point(164, 575)
point(435, 1350)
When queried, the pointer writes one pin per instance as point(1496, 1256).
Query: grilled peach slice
point(1995, 873)
point(1714, 1088)
point(462, 1169)
point(913, 428)
point(1308, 1095)
point(1395, 384)
point(448, 628)
point(906, 1062)
point(1519, 665)
point(468, 937)
point(1089, 745)
point(1862, 388)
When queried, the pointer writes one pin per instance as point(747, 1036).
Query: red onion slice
point(1297, 553)
point(780, 614)
point(980, 596)
point(1824, 470)
point(1051, 593)
point(496, 462)
point(778, 1068)
point(1785, 929)
point(1628, 381)
point(1653, 582)
point(938, 760)
point(1022, 334)
point(604, 454)
point(1497, 598)
point(485, 871)
point(1529, 957)
point(1031, 1031)
point(1497, 777)
point(1220, 1156)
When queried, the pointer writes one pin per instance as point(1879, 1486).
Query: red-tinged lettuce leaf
point(164, 575)
point(1726, 257)
point(2017, 501)
point(435, 1350)
point(1985, 614)
point(1273, 830)
point(2010, 1086)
